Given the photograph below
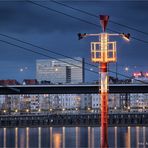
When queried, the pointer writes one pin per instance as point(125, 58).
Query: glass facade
point(60, 71)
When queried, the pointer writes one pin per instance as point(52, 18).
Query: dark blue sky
point(57, 32)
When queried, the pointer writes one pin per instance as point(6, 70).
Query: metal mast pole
point(104, 52)
point(104, 98)
point(104, 83)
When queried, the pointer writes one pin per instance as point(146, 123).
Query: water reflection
point(137, 137)
point(92, 137)
point(39, 137)
point(27, 137)
point(57, 140)
point(115, 128)
point(63, 137)
point(16, 137)
point(89, 144)
point(128, 138)
point(4, 137)
point(50, 137)
point(144, 139)
point(72, 137)
point(77, 137)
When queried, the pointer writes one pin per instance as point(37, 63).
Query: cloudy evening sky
point(58, 32)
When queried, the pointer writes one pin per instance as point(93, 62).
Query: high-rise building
point(60, 71)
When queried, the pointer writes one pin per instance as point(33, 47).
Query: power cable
point(57, 53)
point(26, 49)
point(45, 7)
point(45, 55)
point(48, 50)
point(50, 56)
point(91, 14)
point(68, 15)
point(77, 18)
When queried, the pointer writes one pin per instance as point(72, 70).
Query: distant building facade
point(139, 101)
point(60, 71)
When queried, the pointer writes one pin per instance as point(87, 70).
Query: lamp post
point(104, 52)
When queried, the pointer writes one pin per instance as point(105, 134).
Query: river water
point(70, 137)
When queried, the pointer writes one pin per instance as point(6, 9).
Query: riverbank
point(56, 120)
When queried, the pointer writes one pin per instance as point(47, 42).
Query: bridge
point(72, 89)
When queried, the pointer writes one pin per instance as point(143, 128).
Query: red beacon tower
point(104, 52)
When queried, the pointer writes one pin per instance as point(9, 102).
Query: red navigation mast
point(104, 52)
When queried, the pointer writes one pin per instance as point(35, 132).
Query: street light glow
point(126, 69)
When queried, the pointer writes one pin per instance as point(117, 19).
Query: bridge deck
point(72, 89)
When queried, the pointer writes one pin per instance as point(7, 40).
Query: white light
point(21, 69)
point(126, 69)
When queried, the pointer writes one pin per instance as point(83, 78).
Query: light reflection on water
point(58, 137)
point(16, 137)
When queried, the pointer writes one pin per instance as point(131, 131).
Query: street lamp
point(128, 108)
point(104, 52)
point(126, 69)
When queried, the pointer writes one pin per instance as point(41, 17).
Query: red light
point(137, 74)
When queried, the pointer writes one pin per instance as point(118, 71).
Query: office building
point(60, 71)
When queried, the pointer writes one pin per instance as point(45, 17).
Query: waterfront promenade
point(85, 119)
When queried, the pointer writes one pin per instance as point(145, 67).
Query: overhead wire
point(49, 56)
point(96, 16)
point(45, 49)
point(45, 55)
point(85, 21)
point(57, 53)
point(68, 15)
